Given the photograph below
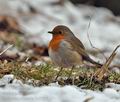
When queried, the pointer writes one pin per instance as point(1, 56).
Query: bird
point(66, 50)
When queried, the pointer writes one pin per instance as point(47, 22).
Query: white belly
point(64, 56)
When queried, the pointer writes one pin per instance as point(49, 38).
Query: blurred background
point(25, 23)
point(113, 5)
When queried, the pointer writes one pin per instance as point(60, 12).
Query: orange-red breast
point(65, 49)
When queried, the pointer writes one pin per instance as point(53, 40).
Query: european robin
point(66, 50)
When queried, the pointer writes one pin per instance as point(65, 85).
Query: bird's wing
point(78, 46)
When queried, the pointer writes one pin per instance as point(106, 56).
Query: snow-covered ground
point(13, 90)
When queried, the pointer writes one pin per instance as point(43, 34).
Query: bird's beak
point(50, 32)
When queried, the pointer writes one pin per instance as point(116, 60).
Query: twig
point(26, 60)
point(90, 40)
point(100, 73)
point(88, 99)
point(112, 56)
point(58, 74)
point(113, 66)
point(6, 49)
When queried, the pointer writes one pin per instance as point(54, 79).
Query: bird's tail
point(93, 62)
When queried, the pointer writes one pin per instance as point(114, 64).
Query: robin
point(66, 50)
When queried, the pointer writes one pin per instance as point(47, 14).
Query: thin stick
point(58, 74)
point(100, 73)
point(6, 49)
point(112, 55)
point(113, 66)
point(27, 59)
point(90, 40)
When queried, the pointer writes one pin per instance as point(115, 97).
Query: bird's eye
point(60, 32)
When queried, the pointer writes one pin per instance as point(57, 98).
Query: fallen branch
point(100, 72)
point(90, 40)
point(6, 49)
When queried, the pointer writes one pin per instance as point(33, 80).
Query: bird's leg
point(58, 74)
point(71, 72)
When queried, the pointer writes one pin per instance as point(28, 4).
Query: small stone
point(38, 63)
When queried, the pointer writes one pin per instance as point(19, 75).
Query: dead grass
point(46, 74)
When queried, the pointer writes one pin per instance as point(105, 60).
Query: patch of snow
point(6, 80)
point(54, 93)
point(38, 63)
point(111, 93)
point(113, 86)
